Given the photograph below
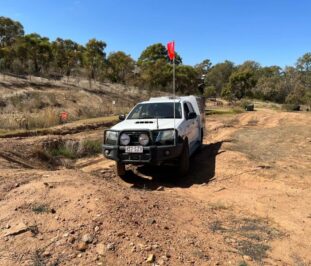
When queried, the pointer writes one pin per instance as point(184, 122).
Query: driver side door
point(188, 125)
point(195, 126)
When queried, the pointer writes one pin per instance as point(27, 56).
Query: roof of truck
point(191, 98)
point(170, 98)
point(162, 99)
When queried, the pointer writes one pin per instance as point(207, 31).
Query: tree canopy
point(120, 67)
point(156, 52)
point(9, 31)
point(33, 54)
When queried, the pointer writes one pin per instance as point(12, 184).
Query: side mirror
point(122, 117)
point(192, 115)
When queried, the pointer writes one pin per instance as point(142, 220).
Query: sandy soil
point(246, 201)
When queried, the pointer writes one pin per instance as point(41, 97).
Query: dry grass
point(40, 208)
point(216, 226)
point(38, 259)
point(47, 118)
point(50, 117)
point(215, 206)
point(231, 122)
point(8, 122)
point(252, 122)
point(269, 105)
point(37, 103)
point(268, 145)
point(249, 236)
point(257, 251)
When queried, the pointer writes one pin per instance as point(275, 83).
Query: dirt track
point(246, 199)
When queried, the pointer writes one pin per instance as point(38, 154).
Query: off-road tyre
point(184, 161)
point(120, 169)
point(201, 139)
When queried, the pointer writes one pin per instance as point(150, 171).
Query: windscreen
point(155, 110)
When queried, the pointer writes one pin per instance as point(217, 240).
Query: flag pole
point(174, 94)
point(174, 77)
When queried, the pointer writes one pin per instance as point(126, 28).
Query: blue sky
point(267, 31)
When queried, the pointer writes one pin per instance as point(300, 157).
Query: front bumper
point(151, 154)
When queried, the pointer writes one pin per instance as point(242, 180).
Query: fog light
point(167, 153)
point(107, 152)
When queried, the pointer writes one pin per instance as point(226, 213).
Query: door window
point(191, 110)
point(186, 110)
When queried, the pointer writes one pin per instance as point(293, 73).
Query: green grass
point(63, 151)
point(74, 150)
point(224, 111)
point(92, 147)
point(56, 130)
point(96, 120)
point(4, 132)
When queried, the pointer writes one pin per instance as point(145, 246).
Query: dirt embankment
point(37, 103)
point(246, 201)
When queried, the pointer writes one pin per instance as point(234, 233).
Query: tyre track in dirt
point(268, 188)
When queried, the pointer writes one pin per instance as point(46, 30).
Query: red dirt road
point(246, 200)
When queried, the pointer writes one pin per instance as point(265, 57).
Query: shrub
point(210, 91)
point(63, 151)
point(226, 93)
point(73, 149)
point(90, 147)
point(245, 104)
point(291, 107)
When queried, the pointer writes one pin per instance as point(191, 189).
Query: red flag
point(171, 50)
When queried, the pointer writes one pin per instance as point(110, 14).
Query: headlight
point(111, 137)
point(143, 139)
point(165, 137)
point(125, 139)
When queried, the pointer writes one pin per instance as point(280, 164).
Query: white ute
point(161, 130)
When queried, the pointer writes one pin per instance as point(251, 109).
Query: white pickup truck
point(150, 134)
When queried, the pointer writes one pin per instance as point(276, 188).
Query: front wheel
point(201, 137)
point(183, 164)
point(120, 169)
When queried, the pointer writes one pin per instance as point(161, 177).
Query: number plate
point(134, 149)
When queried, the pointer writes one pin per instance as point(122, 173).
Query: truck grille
point(135, 157)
